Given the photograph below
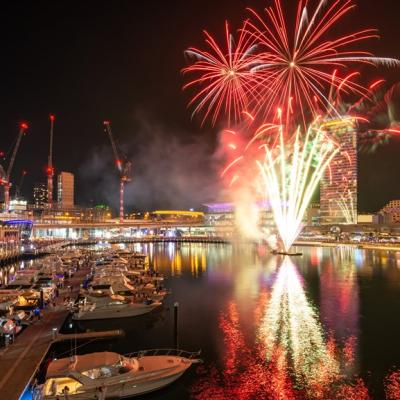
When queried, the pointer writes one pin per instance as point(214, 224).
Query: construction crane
point(5, 181)
point(124, 168)
point(50, 168)
point(20, 183)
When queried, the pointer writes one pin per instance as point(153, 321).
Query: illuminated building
point(39, 195)
point(65, 190)
point(181, 215)
point(18, 206)
point(390, 214)
point(223, 218)
point(338, 189)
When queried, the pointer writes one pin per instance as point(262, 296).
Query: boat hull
point(114, 312)
point(125, 390)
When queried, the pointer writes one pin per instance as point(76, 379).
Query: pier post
point(41, 305)
point(176, 307)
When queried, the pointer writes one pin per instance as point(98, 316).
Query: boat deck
point(20, 360)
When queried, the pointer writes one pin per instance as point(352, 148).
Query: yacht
point(112, 307)
point(116, 376)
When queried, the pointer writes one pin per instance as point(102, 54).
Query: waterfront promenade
point(20, 360)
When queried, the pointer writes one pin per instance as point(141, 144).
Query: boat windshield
point(107, 371)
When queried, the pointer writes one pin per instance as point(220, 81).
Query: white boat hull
point(107, 312)
point(123, 390)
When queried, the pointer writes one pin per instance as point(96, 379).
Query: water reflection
point(8, 271)
point(339, 304)
point(292, 357)
point(291, 325)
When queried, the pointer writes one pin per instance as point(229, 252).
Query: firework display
point(224, 76)
point(270, 68)
point(291, 78)
point(291, 172)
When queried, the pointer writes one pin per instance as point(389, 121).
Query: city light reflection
point(291, 325)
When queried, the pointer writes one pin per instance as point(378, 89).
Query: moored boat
point(113, 375)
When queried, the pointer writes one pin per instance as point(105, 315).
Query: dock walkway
point(19, 361)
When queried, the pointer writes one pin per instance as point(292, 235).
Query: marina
point(238, 285)
point(199, 200)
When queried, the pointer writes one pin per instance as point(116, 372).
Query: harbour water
point(323, 325)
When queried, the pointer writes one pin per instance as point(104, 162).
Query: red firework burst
point(297, 68)
point(224, 76)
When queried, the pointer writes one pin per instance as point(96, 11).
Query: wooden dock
point(20, 360)
point(89, 335)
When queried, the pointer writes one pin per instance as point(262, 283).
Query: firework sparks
point(291, 172)
point(224, 76)
point(297, 69)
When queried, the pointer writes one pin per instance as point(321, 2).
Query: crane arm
point(50, 160)
point(20, 183)
point(118, 160)
point(22, 128)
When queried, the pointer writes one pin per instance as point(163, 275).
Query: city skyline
point(120, 74)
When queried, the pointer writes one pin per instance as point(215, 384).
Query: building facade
point(338, 189)
point(390, 214)
point(39, 195)
point(65, 190)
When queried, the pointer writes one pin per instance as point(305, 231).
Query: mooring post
point(176, 307)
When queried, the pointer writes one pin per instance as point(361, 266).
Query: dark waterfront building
point(339, 184)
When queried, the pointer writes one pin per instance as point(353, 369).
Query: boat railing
point(165, 352)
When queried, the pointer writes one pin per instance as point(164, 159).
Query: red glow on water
point(355, 391)
point(392, 386)
point(349, 350)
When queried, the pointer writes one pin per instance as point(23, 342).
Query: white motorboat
point(126, 292)
point(113, 375)
point(106, 308)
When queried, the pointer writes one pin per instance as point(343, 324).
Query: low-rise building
point(390, 213)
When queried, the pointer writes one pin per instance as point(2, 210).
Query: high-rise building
point(65, 189)
point(39, 195)
point(338, 188)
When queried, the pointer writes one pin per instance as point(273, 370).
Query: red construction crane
point(50, 168)
point(124, 168)
point(5, 181)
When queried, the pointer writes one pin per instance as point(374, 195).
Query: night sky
point(87, 61)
